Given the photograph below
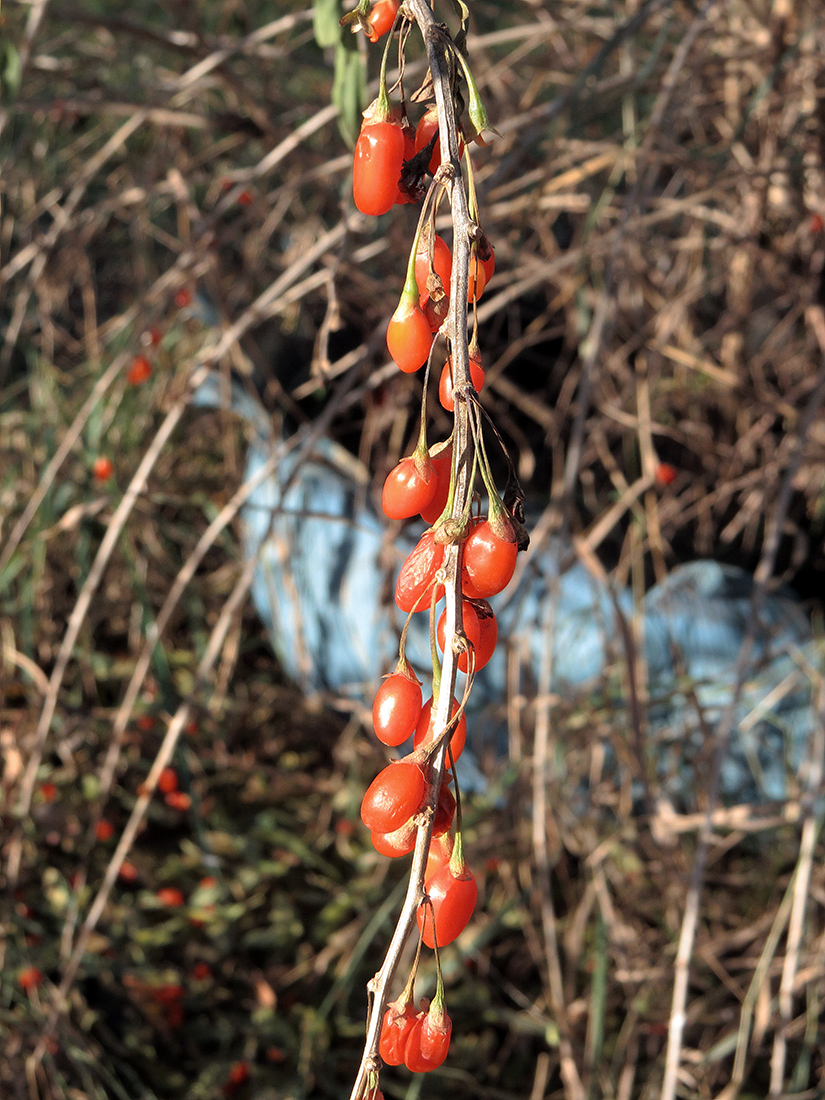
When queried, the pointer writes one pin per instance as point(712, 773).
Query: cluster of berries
point(393, 161)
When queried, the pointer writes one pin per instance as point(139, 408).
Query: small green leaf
point(10, 71)
point(325, 16)
point(349, 92)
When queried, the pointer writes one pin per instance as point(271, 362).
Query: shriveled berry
point(417, 576)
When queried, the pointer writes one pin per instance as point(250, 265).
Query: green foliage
point(349, 86)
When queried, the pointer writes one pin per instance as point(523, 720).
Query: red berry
point(488, 562)
point(488, 266)
point(201, 971)
point(481, 629)
point(424, 730)
point(445, 385)
point(417, 576)
point(399, 843)
point(393, 797)
point(444, 810)
point(477, 278)
point(429, 1040)
point(167, 994)
point(397, 708)
point(379, 155)
point(423, 134)
point(48, 792)
point(409, 488)
point(183, 298)
point(442, 264)
point(29, 978)
point(170, 895)
point(178, 800)
point(409, 337)
point(104, 830)
point(168, 780)
point(128, 872)
point(441, 849)
point(453, 900)
point(140, 371)
point(398, 1022)
point(405, 196)
point(442, 465)
point(665, 474)
point(382, 17)
point(102, 469)
point(237, 1076)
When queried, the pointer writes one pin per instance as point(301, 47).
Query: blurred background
point(175, 192)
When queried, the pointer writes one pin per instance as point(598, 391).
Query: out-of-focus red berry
point(171, 896)
point(183, 298)
point(29, 978)
point(128, 872)
point(104, 830)
point(201, 971)
point(665, 474)
point(168, 780)
point(102, 469)
point(48, 792)
point(238, 1074)
point(178, 800)
point(140, 371)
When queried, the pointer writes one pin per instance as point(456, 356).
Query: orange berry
point(178, 800)
point(168, 780)
point(140, 371)
point(665, 474)
point(171, 896)
point(128, 872)
point(29, 978)
point(102, 469)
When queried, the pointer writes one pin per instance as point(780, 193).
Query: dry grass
point(656, 203)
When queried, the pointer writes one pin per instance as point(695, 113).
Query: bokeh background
point(175, 190)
